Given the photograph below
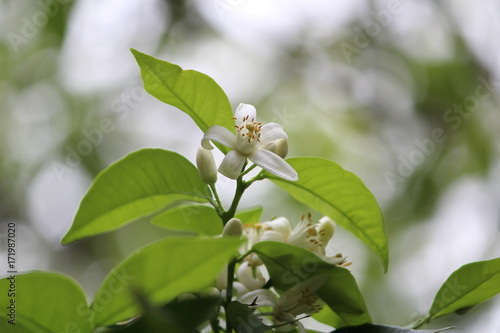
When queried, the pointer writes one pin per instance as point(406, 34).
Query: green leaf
point(160, 272)
point(289, 265)
point(368, 328)
point(138, 185)
point(339, 194)
point(328, 317)
point(200, 219)
point(250, 215)
point(44, 303)
point(192, 92)
point(468, 286)
point(176, 316)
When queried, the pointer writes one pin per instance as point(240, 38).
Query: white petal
point(271, 132)
point(244, 110)
point(246, 276)
point(326, 229)
point(272, 235)
point(232, 164)
point(220, 135)
point(274, 164)
point(239, 288)
point(301, 327)
point(334, 260)
point(281, 225)
point(264, 298)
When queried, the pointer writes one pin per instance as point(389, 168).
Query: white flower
point(250, 276)
point(313, 237)
point(264, 145)
point(299, 299)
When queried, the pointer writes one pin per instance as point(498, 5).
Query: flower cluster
point(251, 274)
point(308, 235)
point(300, 299)
point(264, 145)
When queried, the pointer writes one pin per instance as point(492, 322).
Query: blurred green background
point(405, 94)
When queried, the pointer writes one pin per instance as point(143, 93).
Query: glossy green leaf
point(470, 285)
point(328, 317)
point(289, 265)
point(176, 316)
point(339, 194)
point(192, 92)
point(44, 303)
point(160, 272)
point(138, 185)
point(202, 220)
point(368, 328)
point(250, 215)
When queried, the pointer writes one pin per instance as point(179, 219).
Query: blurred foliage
point(365, 113)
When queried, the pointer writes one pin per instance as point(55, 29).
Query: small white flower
point(313, 237)
point(250, 276)
point(299, 299)
point(264, 145)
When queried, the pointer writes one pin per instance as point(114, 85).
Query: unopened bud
point(186, 297)
point(211, 292)
point(206, 166)
point(233, 228)
point(278, 146)
point(281, 147)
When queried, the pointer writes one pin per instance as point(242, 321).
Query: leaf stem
point(248, 170)
point(259, 176)
point(217, 205)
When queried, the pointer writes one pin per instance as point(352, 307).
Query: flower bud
point(278, 146)
point(206, 166)
point(233, 228)
point(185, 297)
point(211, 292)
point(281, 147)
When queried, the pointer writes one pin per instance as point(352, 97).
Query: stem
point(218, 205)
point(243, 256)
point(241, 186)
point(214, 324)
point(248, 170)
point(229, 291)
point(259, 176)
